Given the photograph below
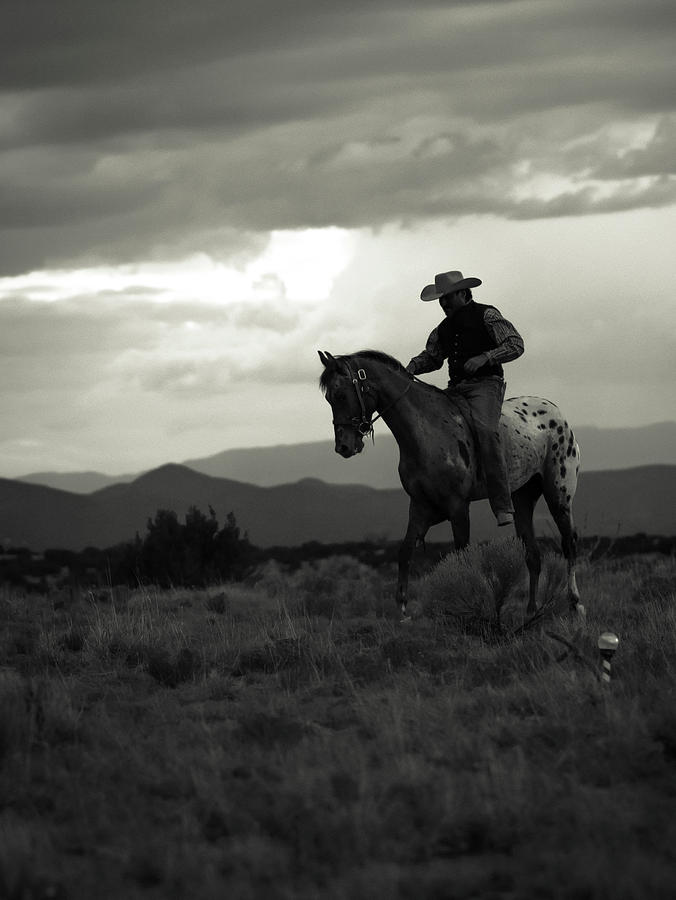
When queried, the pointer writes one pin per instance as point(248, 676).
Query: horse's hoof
point(414, 609)
point(405, 620)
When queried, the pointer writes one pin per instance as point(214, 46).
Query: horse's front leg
point(418, 526)
point(459, 517)
point(405, 553)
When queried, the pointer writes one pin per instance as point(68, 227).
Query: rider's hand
point(474, 363)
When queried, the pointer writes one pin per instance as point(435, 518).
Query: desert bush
point(271, 579)
point(171, 670)
point(417, 651)
point(339, 586)
point(295, 660)
point(152, 619)
point(217, 603)
point(472, 585)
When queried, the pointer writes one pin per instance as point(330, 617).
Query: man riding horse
point(476, 340)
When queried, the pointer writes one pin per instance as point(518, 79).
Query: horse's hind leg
point(563, 517)
point(524, 500)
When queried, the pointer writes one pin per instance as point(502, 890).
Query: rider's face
point(450, 303)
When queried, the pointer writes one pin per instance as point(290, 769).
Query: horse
point(438, 462)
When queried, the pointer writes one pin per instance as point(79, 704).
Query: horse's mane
point(376, 355)
point(379, 356)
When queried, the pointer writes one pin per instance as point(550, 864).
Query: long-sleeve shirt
point(508, 345)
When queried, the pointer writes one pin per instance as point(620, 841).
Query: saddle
point(463, 408)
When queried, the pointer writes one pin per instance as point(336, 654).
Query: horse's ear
point(326, 358)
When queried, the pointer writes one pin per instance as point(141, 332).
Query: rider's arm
point(430, 359)
point(508, 341)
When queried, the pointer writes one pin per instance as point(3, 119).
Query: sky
point(198, 195)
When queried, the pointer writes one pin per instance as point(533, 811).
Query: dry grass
point(292, 739)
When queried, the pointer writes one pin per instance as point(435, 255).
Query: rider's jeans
point(485, 396)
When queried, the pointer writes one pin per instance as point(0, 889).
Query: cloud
point(655, 159)
point(104, 381)
point(150, 129)
point(128, 343)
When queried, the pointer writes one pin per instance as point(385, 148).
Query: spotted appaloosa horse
point(438, 460)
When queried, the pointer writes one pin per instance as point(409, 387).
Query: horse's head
point(344, 386)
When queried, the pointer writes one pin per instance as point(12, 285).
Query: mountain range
point(612, 503)
point(602, 449)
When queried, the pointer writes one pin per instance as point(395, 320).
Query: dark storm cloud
point(149, 66)
point(149, 127)
point(43, 44)
point(78, 41)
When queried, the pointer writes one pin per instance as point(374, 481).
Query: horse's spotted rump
point(530, 442)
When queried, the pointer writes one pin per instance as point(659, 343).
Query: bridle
point(364, 424)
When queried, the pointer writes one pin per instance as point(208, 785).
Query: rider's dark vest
point(464, 335)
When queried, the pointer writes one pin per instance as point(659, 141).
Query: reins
point(364, 425)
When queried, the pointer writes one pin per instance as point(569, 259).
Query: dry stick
point(537, 616)
point(571, 649)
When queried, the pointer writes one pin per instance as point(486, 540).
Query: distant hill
point(608, 503)
point(602, 449)
point(76, 482)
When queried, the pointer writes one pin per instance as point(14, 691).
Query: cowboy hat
point(446, 283)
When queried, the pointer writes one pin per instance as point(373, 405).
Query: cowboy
point(476, 340)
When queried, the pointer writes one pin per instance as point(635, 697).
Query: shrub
point(471, 586)
point(271, 579)
point(337, 586)
point(172, 671)
point(219, 603)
